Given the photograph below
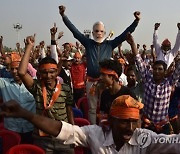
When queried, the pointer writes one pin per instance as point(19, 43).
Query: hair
point(47, 60)
point(160, 62)
point(130, 68)
point(66, 44)
point(98, 23)
point(112, 65)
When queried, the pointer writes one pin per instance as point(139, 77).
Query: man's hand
point(11, 109)
point(61, 34)
point(30, 40)
point(137, 15)
point(62, 9)
point(152, 47)
point(42, 44)
point(1, 39)
point(77, 45)
point(53, 30)
point(156, 26)
point(144, 46)
point(178, 25)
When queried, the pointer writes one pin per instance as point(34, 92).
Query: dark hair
point(130, 68)
point(160, 62)
point(112, 65)
point(66, 44)
point(47, 60)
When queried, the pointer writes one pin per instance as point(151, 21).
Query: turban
point(15, 59)
point(125, 107)
point(166, 42)
point(77, 55)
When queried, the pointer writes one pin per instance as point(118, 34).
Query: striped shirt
point(58, 110)
point(156, 96)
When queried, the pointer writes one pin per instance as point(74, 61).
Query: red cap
point(166, 42)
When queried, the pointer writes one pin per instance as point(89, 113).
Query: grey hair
point(98, 23)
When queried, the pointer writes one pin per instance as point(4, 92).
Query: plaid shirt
point(156, 96)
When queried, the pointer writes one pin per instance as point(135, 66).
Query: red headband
point(109, 72)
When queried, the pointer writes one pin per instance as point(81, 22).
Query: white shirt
point(123, 79)
point(171, 54)
point(101, 142)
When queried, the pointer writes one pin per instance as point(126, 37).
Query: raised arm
point(60, 35)
point(13, 109)
point(42, 49)
point(153, 54)
point(177, 43)
point(131, 42)
point(156, 43)
point(1, 46)
point(54, 53)
point(122, 37)
point(22, 71)
point(76, 33)
point(143, 55)
point(139, 61)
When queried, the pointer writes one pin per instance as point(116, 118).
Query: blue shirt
point(9, 89)
point(4, 73)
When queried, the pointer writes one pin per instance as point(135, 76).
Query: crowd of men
point(128, 94)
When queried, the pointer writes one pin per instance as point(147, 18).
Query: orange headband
point(48, 66)
point(124, 112)
point(109, 72)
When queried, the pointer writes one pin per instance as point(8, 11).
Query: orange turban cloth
point(166, 42)
point(125, 107)
point(121, 61)
point(77, 55)
point(15, 56)
point(15, 59)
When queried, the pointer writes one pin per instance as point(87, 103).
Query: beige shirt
point(143, 141)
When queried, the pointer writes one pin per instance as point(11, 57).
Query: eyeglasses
point(99, 31)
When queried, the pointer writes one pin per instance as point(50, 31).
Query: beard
point(98, 40)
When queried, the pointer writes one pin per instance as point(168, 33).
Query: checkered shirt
point(156, 96)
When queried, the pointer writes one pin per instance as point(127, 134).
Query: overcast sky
point(38, 16)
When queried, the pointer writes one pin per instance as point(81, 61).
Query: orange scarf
point(53, 99)
point(54, 96)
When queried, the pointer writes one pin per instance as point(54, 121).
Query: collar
point(166, 52)
point(108, 138)
point(12, 80)
point(133, 140)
